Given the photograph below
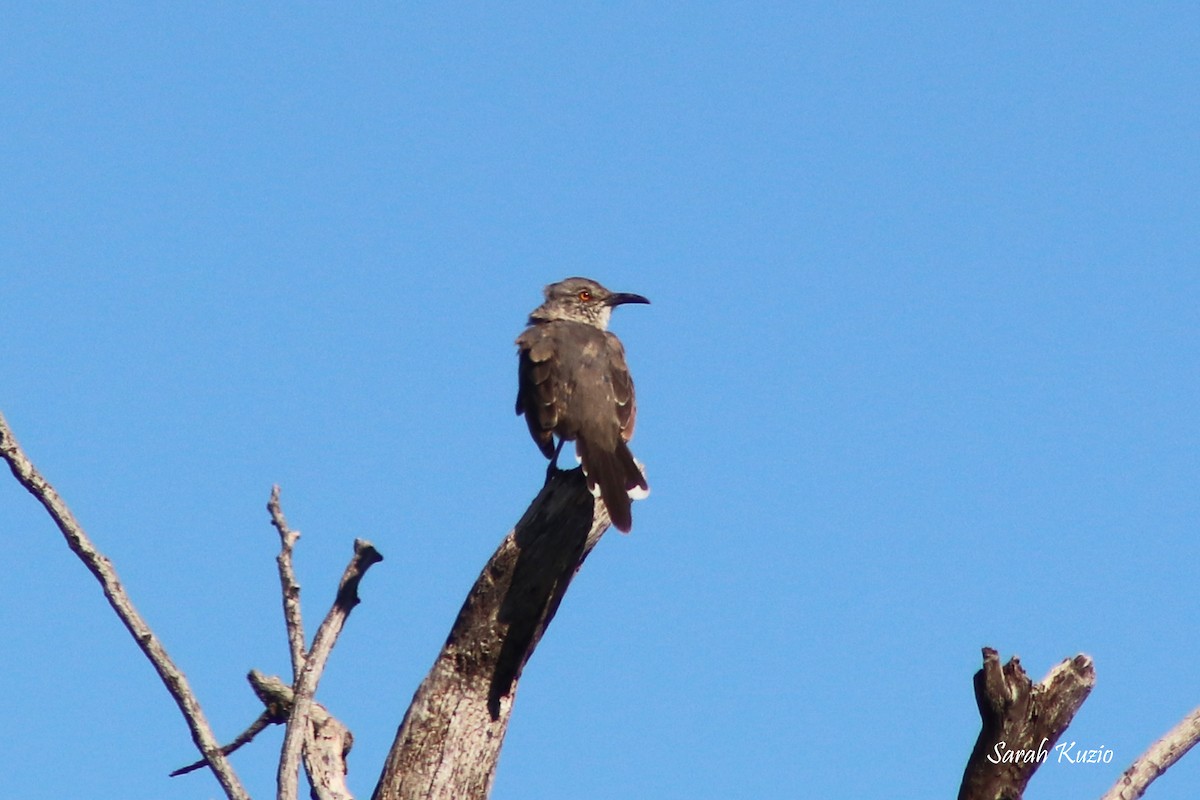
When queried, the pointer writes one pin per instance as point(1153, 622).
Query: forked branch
point(1021, 721)
point(300, 727)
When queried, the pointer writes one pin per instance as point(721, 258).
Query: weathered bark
point(302, 731)
point(293, 618)
point(449, 742)
point(1155, 761)
point(327, 742)
point(1020, 720)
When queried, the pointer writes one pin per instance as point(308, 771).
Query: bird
point(573, 385)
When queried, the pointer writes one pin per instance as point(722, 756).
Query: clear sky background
point(920, 374)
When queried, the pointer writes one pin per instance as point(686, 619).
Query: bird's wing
point(622, 384)
point(535, 387)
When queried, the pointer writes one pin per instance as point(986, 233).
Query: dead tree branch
point(327, 743)
point(299, 722)
point(448, 744)
point(102, 569)
point(275, 695)
point(245, 737)
point(287, 579)
point(1157, 760)
point(1021, 722)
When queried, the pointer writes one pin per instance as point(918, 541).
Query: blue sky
point(919, 376)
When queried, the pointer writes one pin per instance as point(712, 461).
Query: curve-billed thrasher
point(573, 384)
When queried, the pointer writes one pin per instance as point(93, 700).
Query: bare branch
point(275, 695)
point(449, 742)
point(1157, 760)
point(102, 569)
point(1021, 722)
point(347, 598)
point(287, 579)
point(245, 737)
point(326, 745)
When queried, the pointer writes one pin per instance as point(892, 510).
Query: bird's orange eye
point(585, 295)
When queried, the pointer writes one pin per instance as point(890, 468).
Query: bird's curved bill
point(620, 298)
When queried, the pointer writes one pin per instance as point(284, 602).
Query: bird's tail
point(615, 477)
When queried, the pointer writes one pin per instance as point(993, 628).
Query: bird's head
point(581, 300)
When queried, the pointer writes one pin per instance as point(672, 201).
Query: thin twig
point(287, 579)
point(258, 726)
point(275, 695)
point(103, 570)
point(314, 664)
point(1157, 760)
